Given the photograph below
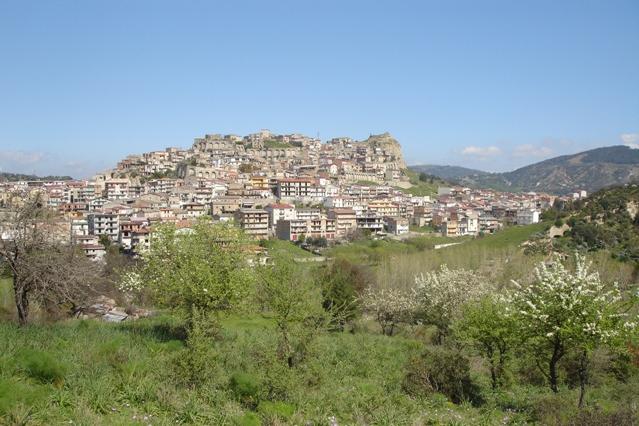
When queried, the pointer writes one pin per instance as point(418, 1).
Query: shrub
point(441, 370)
point(342, 284)
point(246, 388)
point(43, 367)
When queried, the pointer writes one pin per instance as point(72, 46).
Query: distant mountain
point(446, 172)
point(13, 177)
point(589, 170)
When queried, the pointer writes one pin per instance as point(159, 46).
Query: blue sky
point(487, 84)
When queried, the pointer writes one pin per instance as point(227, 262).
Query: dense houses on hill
point(291, 187)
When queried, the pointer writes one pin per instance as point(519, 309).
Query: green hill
point(590, 170)
point(607, 220)
point(13, 177)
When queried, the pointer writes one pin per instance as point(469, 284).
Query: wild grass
point(287, 248)
point(123, 374)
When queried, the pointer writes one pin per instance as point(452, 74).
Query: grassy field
point(373, 251)
point(96, 373)
point(93, 373)
point(282, 247)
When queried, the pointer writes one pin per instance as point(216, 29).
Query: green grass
point(276, 144)
point(281, 247)
point(511, 236)
point(6, 297)
point(125, 374)
point(421, 188)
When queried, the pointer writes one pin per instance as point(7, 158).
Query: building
point(370, 221)
point(294, 188)
point(397, 225)
point(116, 189)
point(104, 224)
point(254, 222)
point(293, 230)
point(345, 220)
point(527, 216)
point(279, 211)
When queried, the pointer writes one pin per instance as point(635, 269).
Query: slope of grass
point(281, 247)
point(511, 236)
point(94, 373)
point(125, 374)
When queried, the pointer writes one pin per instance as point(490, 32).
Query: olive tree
point(569, 310)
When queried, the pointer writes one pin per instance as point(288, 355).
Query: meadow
point(89, 372)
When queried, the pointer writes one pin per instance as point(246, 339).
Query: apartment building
point(292, 230)
point(279, 211)
point(104, 224)
point(254, 222)
point(370, 221)
point(345, 220)
point(397, 225)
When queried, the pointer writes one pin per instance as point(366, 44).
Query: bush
point(441, 370)
point(246, 388)
point(43, 367)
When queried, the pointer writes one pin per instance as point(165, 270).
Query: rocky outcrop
point(389, 146)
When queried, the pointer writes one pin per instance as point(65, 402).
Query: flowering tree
point(130, 283)
point(441, 294)
point(390, 307)
point(566, 310)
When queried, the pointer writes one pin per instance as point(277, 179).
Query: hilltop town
point(291, 187)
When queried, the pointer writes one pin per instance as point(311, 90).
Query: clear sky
point(486, 84)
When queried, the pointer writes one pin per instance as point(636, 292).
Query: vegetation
point(607, 220)
point(346, 342)
point(275, 144)
point(43, 270)
point(14, 177)
point(589, 170)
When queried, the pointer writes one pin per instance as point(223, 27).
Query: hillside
point(446, 172)
point(589, 170)
point(607, 220)
point(13, 177)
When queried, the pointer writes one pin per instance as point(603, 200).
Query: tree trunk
point(583, 377)
point(557, 353)
point(493, 369)
point(22, 300)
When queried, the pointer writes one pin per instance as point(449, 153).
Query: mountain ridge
point(589, 170)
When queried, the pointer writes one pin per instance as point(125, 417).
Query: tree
point(441, 295)
point(342, 284)
point(200, 271)
point(45, 269)
point(390, 307)
point(485, 325)
point(564, 310)
point(296, 305)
